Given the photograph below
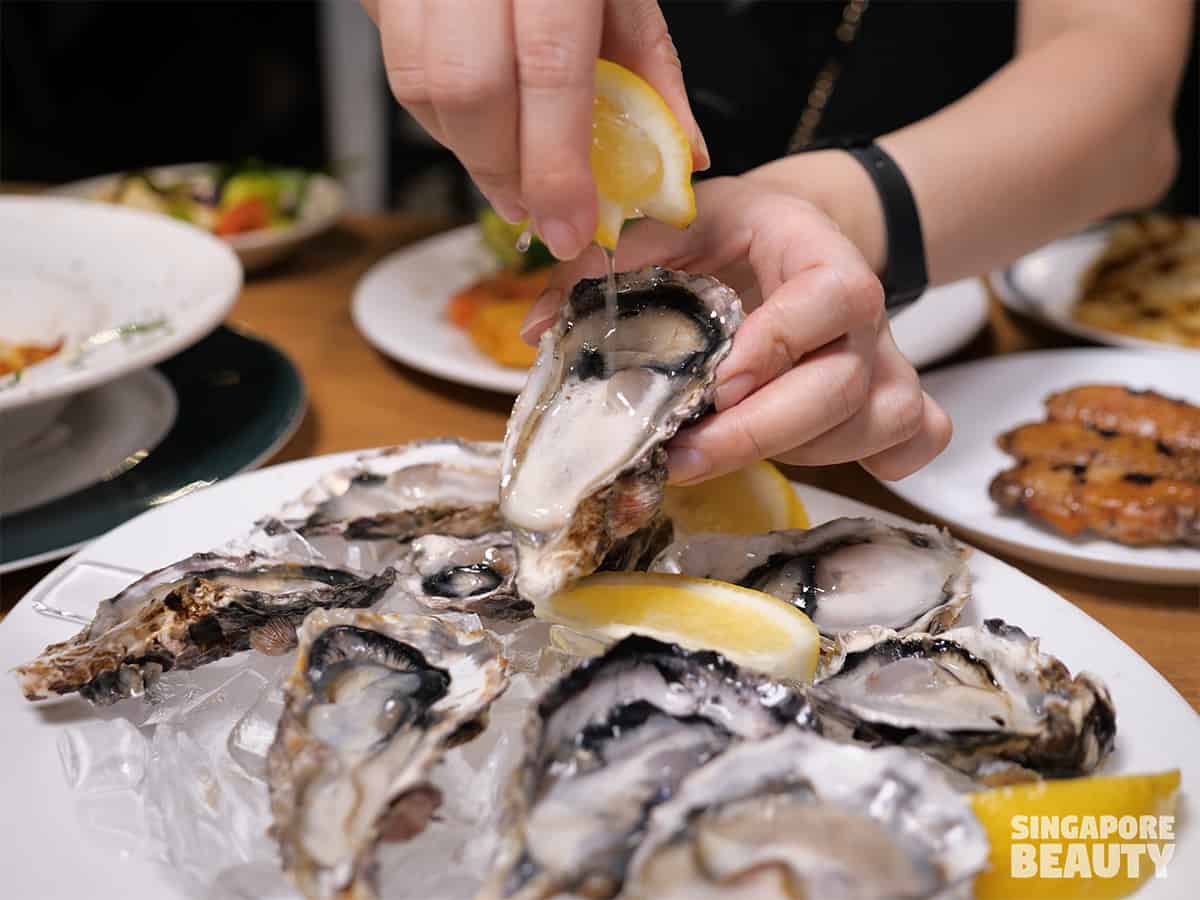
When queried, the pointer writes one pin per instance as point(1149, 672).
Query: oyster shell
point(972, 697)
point(847, 575)
point(194, 612)
point(798, 815)
point(607, 742)
point(374, 702)
point(583, 464)
point(439, 486)
point(473, 575)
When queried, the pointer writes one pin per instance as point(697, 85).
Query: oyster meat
point(584, 466)
point(441, 486)
point(473, 575)
point(192, 613)
point(374, 702)
point(606, 743)
point(972, 697)
point(796, 815)
point(846, 575)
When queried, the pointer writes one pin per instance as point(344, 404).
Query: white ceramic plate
point(324, 203)
point(399, 307)
point(101, 432)
point(989, 397)
point(55, 854)
point(1044, 285)
point(124, 289)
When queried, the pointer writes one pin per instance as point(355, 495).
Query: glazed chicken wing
point(1069, 443)
point(1120, 409)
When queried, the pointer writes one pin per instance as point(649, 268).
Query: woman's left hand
point(814, 376)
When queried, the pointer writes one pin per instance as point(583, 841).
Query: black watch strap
point(905, 276)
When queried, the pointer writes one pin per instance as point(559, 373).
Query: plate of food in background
point(452, 306)
point(1133, 283)
point(263, 212)
point(1087, 460)
point(90, 293)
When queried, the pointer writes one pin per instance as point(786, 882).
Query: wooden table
point(358, 398)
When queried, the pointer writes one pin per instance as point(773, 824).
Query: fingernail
point(544, 309)
point(734, 390)
point(686, 464)
point(560, 237)
point(509, 210)
point(702, 151)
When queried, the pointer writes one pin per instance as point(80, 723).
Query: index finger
point(557, 46)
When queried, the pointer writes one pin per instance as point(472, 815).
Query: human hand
point(814, 376)
point(508, 86)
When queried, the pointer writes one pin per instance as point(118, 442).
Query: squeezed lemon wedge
point(1092, 799)
point(749, 627)
point(752, 500)
point(641, 158)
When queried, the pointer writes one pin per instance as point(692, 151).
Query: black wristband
point(905, 276)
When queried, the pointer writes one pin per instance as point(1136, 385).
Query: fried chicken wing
point(1069, 443)
point(1129, 507)
point(1111, 407)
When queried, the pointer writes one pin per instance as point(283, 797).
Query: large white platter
point(399, 307)
point(124, 288)
point(988, 397)
point(54, 854)
point(1044, 285)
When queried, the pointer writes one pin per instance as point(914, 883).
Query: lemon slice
point(749, 627)
point(1084, 798)
point(752, 500)
point(641, 158)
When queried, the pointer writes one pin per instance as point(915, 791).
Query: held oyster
point(583, 464)
point(846, 575)
point(796, 815)
point(194, 612)
point(972, 697)
point(374, 702)
point(474, 575)
point(609, 741)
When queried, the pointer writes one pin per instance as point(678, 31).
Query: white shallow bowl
point(87, 272)
point(989, 397)
point(399, 307)
point(56, 853)
point(324, 203)
point(1044, 285)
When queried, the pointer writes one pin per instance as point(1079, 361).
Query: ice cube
point(103, 755)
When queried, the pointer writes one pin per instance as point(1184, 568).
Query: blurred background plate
point(986, 398)
point(324, 203)
point(399, 307)
point(240, 401)
point(101, 433)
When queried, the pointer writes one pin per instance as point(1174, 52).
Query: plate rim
point(215, 306)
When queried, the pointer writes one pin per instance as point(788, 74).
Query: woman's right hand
point(507, 85)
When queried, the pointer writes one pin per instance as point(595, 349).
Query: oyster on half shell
point(972, 697)
point(846, 574)
point(798, 815)
point(373, 703)
point(584, 466)
point(605, 744)
point(186, 615)
point(472, 575)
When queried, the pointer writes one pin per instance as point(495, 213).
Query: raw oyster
point(846, 575)
point(441, 486)
point(972, 697)
point(584, 465)
point(374, 702)
point(607, 742)
point(796, 815)
point(474, 575)
point(194, 612)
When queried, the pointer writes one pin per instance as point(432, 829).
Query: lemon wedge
point(752, 500)
point(749, 627)
point(1086, 799)
point(641, 158)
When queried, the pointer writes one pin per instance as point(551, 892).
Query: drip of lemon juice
point(610, 293)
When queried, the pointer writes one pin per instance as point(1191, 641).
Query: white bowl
point(324, 203)
point(122, 288)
